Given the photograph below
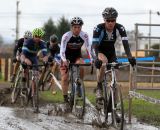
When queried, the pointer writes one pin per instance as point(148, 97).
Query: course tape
point(144, 97)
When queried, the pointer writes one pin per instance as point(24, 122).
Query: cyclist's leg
point(80, 61)
point(100, 74)
point(64, 81)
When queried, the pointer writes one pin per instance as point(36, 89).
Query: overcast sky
point(35, 12)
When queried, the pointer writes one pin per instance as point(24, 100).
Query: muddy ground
point(54, 117)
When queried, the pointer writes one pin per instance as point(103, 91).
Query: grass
point(47, 96)
point(145, 111)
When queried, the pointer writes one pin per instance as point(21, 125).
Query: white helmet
point(76, 21)
point(27, 34)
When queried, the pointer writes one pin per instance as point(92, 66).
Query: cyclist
point(31, 47)
point(17, 51)
point(70, 49)
point(104, 38)
point(54, 49)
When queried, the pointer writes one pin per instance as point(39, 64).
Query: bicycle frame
point(113, 83)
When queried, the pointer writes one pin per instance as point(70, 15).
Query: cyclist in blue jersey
point(104, 38)
point(30, 49)
point(32, 46)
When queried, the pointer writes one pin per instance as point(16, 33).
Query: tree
point(62, 27)
point(59, 29)
point(49, 29)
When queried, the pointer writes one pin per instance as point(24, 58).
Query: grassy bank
point(145, 111)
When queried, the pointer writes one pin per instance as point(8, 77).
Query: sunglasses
point(112, 20)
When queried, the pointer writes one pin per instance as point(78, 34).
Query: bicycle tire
point(46, 81)
point(16, 88)
point(35, 98)
point(119, 109)
point(79, 99)
point(25, 91)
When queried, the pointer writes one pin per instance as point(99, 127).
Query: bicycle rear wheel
point(118, 112)
point(79, 99)
point(47, 81)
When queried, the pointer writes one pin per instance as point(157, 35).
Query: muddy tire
point(46, 85)
point(117, 114)
point(16, 90)
point(79, 99)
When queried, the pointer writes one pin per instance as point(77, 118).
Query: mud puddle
point(50, 119)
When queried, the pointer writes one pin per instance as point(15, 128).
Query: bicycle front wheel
point(16, 87)
point(79, 99)
point(35, 97)
point(117, 108)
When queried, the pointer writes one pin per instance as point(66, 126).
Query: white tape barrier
point(144, 97)
point(56, 81)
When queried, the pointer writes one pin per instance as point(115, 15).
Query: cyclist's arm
point(18, 45)
point(87, 45)
point(124, 37)
point(43, 48)
point(95, 42)
point(63, 47)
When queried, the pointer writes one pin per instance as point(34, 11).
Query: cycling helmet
point(27, 34)
point(76, 21)
point(53, 38)
point(109, 13)
point(38, 32)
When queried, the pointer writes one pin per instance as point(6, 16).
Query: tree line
point(59, 29)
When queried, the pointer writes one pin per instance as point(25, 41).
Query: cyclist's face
point(110, 23)
point(37, 39)
point(76, 29)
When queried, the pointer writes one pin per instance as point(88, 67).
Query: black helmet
point(76, 21)
point(53, 38)
point(109, 13)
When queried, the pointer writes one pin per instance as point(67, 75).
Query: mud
point(53, 116)
point(56, 117)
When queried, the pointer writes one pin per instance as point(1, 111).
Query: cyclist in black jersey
point(17, 51)
point(104, 38)
point(53, 49)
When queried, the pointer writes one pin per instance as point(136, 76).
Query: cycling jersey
point(105, 40)
point(54, 50)
point(30, 48)
point(71, 46)
point(18, 46)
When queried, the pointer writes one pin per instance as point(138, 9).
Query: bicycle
point(77, 90)
point(23, 86)
point(20, 88)
point(48, 78)
point(112, 101)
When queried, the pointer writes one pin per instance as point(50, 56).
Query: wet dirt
point(55, 117)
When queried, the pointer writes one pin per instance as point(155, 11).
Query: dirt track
point(53, 117)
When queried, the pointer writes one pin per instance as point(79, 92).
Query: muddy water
point(49, 119)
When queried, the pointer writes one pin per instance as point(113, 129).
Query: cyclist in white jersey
point(70, 49)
